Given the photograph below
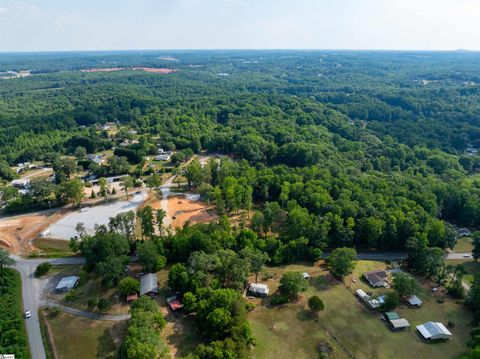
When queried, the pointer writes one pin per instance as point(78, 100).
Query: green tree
point(342, 261)
point(104, 188)
point(5, 260)
point(405, 285)
point(128, 286)
point(42, 269)
point(160, 214)
point(256, 258)
point(80, 153)
point(476, 245)
point(72, 191)
point(148, 255)
point(127, 182)
point(194, 173)
point(315, 304)
point(292, 283)
point(392, 300)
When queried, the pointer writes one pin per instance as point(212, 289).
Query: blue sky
point(43, 25)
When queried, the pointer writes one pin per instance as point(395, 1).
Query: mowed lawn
point(346, 324)
point(80, 338)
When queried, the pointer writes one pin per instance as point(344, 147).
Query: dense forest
point(371, 150)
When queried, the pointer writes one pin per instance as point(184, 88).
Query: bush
point(71, 295)
point(42, 269)
point(278, 299)
point(104, 304)
point(92, 303)
point(54, 311)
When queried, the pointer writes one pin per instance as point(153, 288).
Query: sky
point(61, 25)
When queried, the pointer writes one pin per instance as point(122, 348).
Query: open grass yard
point(464, 244)
point(347, 325)
point(53, 247)
point(79, 338)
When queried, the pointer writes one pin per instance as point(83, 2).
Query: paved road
point(32, 293)
point(457, 255)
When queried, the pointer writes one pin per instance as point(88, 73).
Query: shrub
point(104, 304)
point(42, 269)
point(92, 303)
point(278, 299)
point(71, 295)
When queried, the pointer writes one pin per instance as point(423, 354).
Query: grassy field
point(53, 247)
point(464, 244)
point(78, 338)
point(346, 325)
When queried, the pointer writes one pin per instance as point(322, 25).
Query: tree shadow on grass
point(106, 347)
point(305, 314)
point(322, 282)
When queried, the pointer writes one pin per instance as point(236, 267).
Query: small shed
point(67, 283)
point(389, 316)
point(258, 289)
point(433, 331)
point(413, 301)
point(174, 303)
point(132, 297)
point(400, 323)
point(362, 295)
point(149, 284)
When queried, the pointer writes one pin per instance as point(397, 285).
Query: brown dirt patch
point(17, 232)
point(181, 210)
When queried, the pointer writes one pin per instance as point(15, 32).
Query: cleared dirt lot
point(17, 232)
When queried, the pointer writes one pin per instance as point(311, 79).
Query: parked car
point(27, 314)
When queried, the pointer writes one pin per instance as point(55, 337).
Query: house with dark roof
point(377, 278)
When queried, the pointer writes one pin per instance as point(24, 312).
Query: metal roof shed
point(67, 283)
point(434, 331)
point(400, 323)
point(148, 284)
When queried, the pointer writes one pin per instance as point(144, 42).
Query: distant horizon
point(239, 49)
point(89, 25)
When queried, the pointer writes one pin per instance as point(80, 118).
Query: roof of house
point(68, 282)
point(399, 323)
point(148, 283)
point(413, 300)
point(433, 330)
point(259, 288)
point(392, 315)
point(376, 276)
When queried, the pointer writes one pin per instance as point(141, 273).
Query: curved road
point(32, 293)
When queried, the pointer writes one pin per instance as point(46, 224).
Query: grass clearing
point(347, 325)
point(78, 338)
point(464, 244)
point(53, 247)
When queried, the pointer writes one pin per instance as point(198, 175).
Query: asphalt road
point(32, 293)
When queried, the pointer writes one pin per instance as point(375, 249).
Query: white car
point(27, 314)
